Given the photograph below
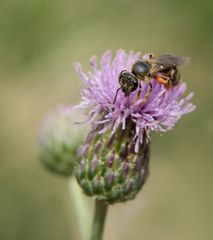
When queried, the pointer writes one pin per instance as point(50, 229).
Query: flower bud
point(108, 166)
point(59, 138)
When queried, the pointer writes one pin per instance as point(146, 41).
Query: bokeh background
point(39, 41)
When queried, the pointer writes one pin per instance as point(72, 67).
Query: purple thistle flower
point(160, 112)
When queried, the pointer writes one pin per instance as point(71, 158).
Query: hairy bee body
point(162, 68)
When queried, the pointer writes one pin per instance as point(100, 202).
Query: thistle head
point(59, 139)
point(113, 163)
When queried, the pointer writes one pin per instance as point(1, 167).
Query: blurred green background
point(39, 41)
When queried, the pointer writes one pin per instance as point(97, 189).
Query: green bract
point(59, 139)
point(109, 168)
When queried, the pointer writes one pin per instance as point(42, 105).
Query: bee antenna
point(115, 98)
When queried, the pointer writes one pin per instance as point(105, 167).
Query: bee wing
point(166, 61)
point(169, 60)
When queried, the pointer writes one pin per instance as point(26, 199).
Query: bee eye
point(141, 68)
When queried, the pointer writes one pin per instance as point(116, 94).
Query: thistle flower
point(59, 139)
point(114, 161)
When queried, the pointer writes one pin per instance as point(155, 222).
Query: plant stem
point(99, 220)
point(80, 208)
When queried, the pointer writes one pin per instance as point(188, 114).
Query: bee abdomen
point(174, 76)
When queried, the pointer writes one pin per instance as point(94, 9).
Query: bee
point(162, 68)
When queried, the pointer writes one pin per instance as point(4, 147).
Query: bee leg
point(138, 94)
point(164, 80)
point(145, 98)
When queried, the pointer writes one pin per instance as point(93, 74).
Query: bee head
point(128, 82)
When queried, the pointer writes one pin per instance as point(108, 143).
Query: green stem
point(80, 208)
point(99, 220)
